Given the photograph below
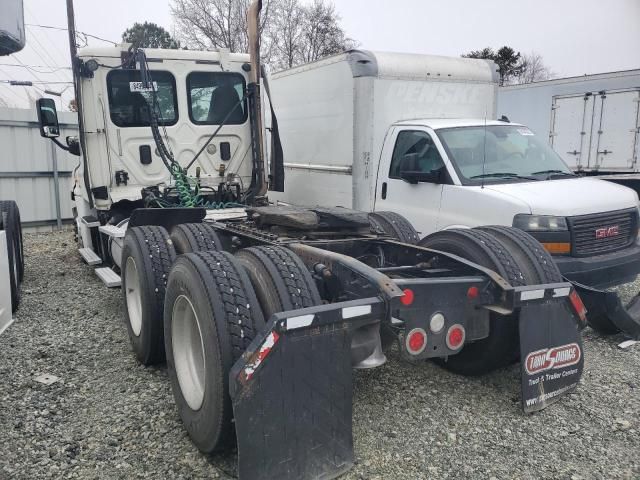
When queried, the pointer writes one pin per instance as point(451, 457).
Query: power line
point(77, 31)
point(33, 67)
point(35, 82)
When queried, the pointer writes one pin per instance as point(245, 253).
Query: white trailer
point(592, 121)
point(348, 102)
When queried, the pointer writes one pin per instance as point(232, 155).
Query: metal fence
point(33, 171)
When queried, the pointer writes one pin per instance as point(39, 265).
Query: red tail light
point(416, 341)
point(455, 337)
point(473, 292)
point(408, 297)
point(578, 306)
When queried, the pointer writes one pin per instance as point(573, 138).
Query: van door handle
point(384, 191)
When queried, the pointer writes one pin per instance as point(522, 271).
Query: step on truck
point(261, 311)
point(418, 134)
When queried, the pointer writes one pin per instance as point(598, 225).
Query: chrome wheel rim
point(188, 352)
point(133, 296)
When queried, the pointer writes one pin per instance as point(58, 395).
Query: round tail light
point(455, 337)
point(408, 297)
point(416, 341)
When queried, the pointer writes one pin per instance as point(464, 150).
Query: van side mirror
point(48, 118)
point(414, 177)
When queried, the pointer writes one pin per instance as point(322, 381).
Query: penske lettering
point(552, 358)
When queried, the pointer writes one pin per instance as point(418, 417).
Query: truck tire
point(9, 223)
point(147, 257)
point(211, 315)
point(281, 280)
point(13, 212)
point(500, 348)
point(394, 225)
point(528, 252)
point(195, 237)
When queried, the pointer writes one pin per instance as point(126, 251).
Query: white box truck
point(416, 134)
point(592, 121)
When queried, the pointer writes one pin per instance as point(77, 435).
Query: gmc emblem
point(608, 232)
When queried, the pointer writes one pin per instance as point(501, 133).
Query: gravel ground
point(109, 418)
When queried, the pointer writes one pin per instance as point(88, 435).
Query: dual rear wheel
point(199, 308)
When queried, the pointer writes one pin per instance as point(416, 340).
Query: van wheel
point(211, 315)
point(500, 348)
point(394, 225)
point(147, 257)
point(281, 280)
point(195, 237)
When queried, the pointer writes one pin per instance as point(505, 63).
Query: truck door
point(571, 120)
point(419, 202)
point(616, 130)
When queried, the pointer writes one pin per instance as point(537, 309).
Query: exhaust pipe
point(259, 183)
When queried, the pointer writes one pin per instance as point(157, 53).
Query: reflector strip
point(294, 323)
point(532, 295)
point(350, 312)
point(259, 356)
point(561, 292)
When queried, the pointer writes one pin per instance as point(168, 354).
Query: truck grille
point(603, 232)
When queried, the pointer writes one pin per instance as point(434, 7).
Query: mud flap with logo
point(551, 353)
point(292, 393)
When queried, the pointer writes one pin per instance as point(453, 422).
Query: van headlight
point(551, 231)
point(540, 223)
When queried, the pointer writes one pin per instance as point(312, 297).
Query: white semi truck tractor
point(12, 40)
point(261, 311)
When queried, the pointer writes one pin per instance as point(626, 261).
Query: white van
point(416, 134)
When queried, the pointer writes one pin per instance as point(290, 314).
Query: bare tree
point(534, 69)
point(292, 32)
point(205, 24)
point(323, 35)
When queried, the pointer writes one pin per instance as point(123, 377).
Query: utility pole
point(71, 29)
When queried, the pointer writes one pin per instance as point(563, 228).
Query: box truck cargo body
point(334, 115)
point(593, 121)
point(418, 135)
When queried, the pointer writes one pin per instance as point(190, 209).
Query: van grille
point(603, 232)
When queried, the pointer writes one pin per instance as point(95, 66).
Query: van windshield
point(499, 153)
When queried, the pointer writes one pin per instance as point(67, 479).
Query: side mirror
point(48, 118)
point(413, 177)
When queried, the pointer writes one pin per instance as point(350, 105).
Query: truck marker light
point(408, 297)
point(455, 337)
point(578, 306)
point(473, 292)
point(436, 324)
point(557, 248)
point(416, 341)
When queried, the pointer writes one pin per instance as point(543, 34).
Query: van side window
point(416, 150)
point(213, 96)
point(128, 105)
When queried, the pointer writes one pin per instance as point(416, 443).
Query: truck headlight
point(540, 223)
point(551, 231)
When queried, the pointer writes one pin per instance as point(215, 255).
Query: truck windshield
point(499, 153)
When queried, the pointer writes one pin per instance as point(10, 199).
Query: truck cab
point(452, 173)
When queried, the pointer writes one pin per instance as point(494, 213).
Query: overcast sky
point(573, 36)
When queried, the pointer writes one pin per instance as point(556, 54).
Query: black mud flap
point(552, 359)
point(600, 302)
point(292, 393)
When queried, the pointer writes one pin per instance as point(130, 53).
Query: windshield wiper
point(551, 173)
point(503, 175)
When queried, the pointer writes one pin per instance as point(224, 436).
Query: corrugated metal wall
point(28, 172)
